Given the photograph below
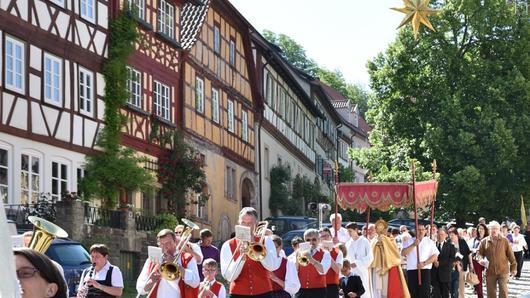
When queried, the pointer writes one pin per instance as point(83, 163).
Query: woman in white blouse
point(518, 245)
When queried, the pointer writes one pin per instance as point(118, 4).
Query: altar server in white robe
point(360, 256)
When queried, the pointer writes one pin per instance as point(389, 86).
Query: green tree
point(279, 200)
point(355, 93)
point(460, 95)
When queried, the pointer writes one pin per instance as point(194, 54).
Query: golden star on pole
point(417, 13)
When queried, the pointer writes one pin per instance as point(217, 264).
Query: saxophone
point(90, 275)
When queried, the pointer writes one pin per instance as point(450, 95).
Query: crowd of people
point(341, 261)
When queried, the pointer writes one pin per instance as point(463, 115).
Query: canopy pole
point(336, 230)
point(413, 172)
point(434, 199)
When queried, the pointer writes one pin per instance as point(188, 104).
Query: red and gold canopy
point(360, 196)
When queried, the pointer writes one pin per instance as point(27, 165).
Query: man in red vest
point(150, 282)
point(210, 288)
point(248, 278)
point(332, 277)
point(313, 276)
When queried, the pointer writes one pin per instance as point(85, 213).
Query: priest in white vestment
point(360, 256)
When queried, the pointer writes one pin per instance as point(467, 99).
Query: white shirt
point(360, 252)
point(326, 259)
point(169, 288)
point(338, 260)
point(342, 234)
point(270, 262)
point(521, 243)
point(222, 290)
point(116, 277)
point(292, 283)
point(197, 249)
point(427, 249)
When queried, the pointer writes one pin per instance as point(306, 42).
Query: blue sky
point(338, 34)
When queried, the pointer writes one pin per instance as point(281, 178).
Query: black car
point(283, 224)
point(286, 240)
point(73, 257)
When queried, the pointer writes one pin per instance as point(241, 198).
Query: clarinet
point(90, 275)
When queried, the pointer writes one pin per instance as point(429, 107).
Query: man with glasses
point(332, 277)
point(150, 280)
point(248, 278)
point(360, 256)
point(313, 276)
point(428, 254)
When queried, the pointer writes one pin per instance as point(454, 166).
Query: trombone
point(169, 270)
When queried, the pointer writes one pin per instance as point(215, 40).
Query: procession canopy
point(360, 196)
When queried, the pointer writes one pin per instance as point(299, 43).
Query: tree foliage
point(460, 95)
point(280, 177)
point(296, 55)
point(115, 167)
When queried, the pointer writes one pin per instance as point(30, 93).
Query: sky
point(337, 34)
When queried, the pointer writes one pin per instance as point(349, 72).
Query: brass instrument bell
point(43, 233)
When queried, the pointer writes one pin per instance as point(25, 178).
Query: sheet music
point(155, 254)
point(243, 233)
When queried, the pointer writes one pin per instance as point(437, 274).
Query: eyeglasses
point(311, 240)
point(26, 272)
point(209, 270)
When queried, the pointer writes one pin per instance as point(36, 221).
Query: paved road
point(516, 288)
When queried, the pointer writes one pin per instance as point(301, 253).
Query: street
point(516, 288)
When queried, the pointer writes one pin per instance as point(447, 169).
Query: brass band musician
point(314, 267)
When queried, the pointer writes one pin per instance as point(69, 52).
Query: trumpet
point(204, 288)
point(169, 270)
point(302, 259)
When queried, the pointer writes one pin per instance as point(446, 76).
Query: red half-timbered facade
point(51, 91)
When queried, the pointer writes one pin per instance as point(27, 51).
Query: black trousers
point(416, 290)
point(439, 289)
point(332, 291)
point(519, 259)
point(266, 295)
point(311, 293)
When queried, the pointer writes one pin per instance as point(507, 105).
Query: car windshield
point(69, 254)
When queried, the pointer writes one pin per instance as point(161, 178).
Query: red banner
point(381, 196)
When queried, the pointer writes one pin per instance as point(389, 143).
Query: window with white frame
point(268, 89)
point(166, 18)
point(134, 86)
point(282, 103)
point(29, 178)
point(15, 66)
point(232, 57)
point(138, 8)
point(88, 10)
point(199, 95)
point(59, 179)
point(4, 175)
point(230, 116)
point(80, 174)
point(162, 100)
point(244, 126)
point(52, 79)
point(201, 208)
point(86, 91)
point(230, 182)
point(215, 105)
point(216, 39)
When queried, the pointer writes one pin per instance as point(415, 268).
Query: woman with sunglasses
point(37, 275)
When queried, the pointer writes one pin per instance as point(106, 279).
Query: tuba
point(170, 270)
point(43, 233)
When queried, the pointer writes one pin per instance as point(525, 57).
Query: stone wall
point(128, 247)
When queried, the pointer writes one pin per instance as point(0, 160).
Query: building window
point(216, 39)
point(29, 178)
point(282, 103)
point(80, 174)
point(230, 116)
point(134, 86)
point(230, 182)
point(166, 18)
point(162, 100)
point(266, 162)
point(4, 172)
point(15, 69)
point(86, 91)
point(59, 2)
point(244, 126)
point(138, 8)
point(59, 180)
point(268, 88)
point(199, 95)
point(88, 10)
point(232, 52)
point(52, 79)
point(200, 209)
point(215, 105)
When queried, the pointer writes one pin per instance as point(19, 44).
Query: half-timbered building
point(218, 115)
point(51, 91)
point(287, 128)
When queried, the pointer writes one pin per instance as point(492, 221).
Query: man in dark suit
point(441, 271)
point(350, 285)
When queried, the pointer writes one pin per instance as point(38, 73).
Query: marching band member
point(211, 288)
point(103, 279)
point(248, 278)
point(332, 277)
point(360, 256)
point(185, 287)
point(284, 279)
point(192, 248)
point(313, 276)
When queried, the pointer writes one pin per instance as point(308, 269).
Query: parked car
point(73, 257)
point(283, 224)
point(287, 237)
